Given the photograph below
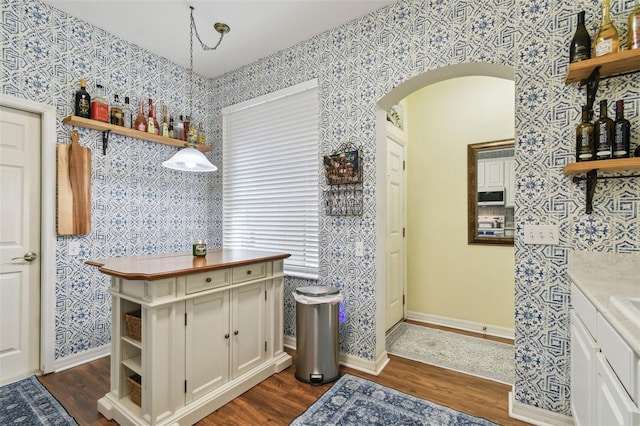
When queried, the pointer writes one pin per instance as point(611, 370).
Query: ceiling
point(258, 27)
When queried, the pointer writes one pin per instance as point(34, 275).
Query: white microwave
point(491, 196)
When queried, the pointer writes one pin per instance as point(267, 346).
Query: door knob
point(29, 257)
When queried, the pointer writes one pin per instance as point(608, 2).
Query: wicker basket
point(134, 383)
point(134, 325)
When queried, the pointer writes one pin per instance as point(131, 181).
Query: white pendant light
point(190, 159)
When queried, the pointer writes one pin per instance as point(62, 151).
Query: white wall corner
point(535, 415)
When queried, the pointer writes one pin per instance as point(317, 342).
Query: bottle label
point(199, 250)
point(83, 105)
point(604, 47)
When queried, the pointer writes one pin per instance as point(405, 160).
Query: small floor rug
point(27, 402)
point(471, 355)
point(358, 402)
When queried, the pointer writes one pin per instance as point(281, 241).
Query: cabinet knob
point(226, 336)
point(249, 272)
point(208, 280)
point(235, 332)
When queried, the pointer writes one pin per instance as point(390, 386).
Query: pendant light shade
point(190, 160)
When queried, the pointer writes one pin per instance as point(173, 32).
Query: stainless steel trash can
point(317, 360)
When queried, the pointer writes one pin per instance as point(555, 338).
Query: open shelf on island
point(609, 65)
point(106, 128)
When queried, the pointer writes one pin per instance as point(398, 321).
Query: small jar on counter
point(199, 248)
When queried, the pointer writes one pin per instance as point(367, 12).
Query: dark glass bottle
point(83, 101)
point(622, 133)
point(585, 145)
point(580, 48)
point(604, 130)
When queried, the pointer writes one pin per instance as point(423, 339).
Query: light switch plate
point(359, 248)
point(541, 234)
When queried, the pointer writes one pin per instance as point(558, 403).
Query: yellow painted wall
point(446, 276)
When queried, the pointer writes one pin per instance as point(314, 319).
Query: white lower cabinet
point(583, 352)
point(598, 393)
point(205, 339)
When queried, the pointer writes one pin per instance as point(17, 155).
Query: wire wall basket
point(343, 202)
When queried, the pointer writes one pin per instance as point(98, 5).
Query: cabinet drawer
point(620, 356)
point(249, 272)
point(584, 309)
point(207, 280)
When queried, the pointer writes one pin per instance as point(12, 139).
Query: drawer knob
point(208, 280)
point(226, 336)
point(235, 332)
point(249, 272)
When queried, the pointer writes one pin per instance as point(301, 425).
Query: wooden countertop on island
point(168, 265)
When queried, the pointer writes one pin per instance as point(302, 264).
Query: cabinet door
point(494, 173)
point(583, 352)
point(613, 405)
point(247, 328)
point(509, 182)
point(207, 344)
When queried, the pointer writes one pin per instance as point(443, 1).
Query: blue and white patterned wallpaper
point(141, 208)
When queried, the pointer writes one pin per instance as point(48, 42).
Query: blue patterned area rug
point(27, 402)
point(359, 402)
point(470, 355)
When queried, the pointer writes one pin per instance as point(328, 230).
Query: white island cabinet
point(605, 342)
point(210, 329)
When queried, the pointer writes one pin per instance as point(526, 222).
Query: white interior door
point(20, 145)
point(395, 233)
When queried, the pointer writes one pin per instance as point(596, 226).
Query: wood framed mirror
point(490, 189)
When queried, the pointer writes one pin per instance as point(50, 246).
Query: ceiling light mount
point(221, 28)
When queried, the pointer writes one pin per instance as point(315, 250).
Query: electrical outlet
point(74, 248)
point(359, 248)
point(541, 234)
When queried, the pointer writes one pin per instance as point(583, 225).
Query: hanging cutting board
point(74, 187)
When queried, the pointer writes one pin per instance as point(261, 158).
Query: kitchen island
point(189, 334)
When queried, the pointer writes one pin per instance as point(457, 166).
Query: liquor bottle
point(185, 128)
point(141, 122)
point(100, 106)
point(177, 128)
point(580, 48)
point(622, 133)
point(192, 135)
point(585, 145)
point(165, 123)
point(172, 130)
point(202, 138)
point(83, 101)
point(633, 35)
point(152, 123)
point(127, 114)
point(606, 39)
point(604, 131)
point(116, 112)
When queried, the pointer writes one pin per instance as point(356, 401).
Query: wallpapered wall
point(141, 208)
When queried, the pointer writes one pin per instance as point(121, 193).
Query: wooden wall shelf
point(609, 65)
point(106, 128)
point(591, 169)
point(602, 165)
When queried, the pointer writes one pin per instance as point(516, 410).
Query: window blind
point(270, 176)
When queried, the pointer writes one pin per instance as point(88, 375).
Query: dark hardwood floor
point(281, 398)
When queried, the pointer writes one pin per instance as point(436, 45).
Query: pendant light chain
point(191, 65)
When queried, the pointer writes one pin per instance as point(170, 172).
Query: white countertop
point(600, 275)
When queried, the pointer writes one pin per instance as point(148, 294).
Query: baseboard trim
point(370, 367)
point(476, 327)
point(535, 415)
point(82, 358)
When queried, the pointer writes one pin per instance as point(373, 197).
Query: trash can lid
point(317, 290)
